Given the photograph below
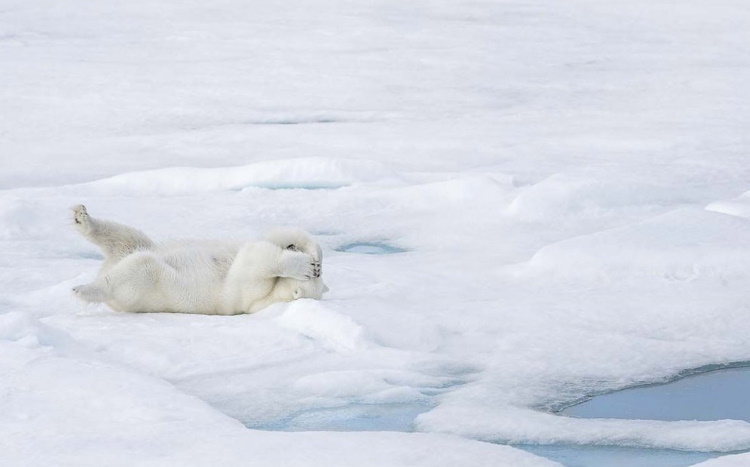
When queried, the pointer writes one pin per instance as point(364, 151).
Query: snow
point(565, 184)
point(331, 329)
point(739, 206)
point(727, 461)
point(682, 245)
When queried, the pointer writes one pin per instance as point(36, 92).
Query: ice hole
point(615, 456)
point(708, 394)
point(368, 248)
point(353, 417)
point(90, 255)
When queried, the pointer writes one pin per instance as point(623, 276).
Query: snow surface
point(568, 180)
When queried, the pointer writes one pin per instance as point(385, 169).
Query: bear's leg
point(255, 271)
point(136, 283)
point(115, 240)
point(92, 293)
point(295, 240)
point(140, 275)
point(264, 260)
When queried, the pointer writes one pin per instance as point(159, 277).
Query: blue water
point(714, 395)
point(613, 456)
point(370, 248)
point(353, 417)
point(89, 254)
point(711, 395)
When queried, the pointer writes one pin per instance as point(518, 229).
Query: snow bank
point(65, 406)
point(20, 218)
point(302, 173)
point(453, 191)
point(683, 245)
point(518, 426)
point(332, 330)
point(739, 206)
point(590, 193)
point(739, 460)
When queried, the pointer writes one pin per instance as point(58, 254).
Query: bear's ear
point(325, 288)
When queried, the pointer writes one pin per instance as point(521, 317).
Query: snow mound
point(523, 426)
point(455, 191)
point(63, 394)
point(332, 330)
point(739, 206)
point(587, 192)
point(21, 219)
point(18, 327)
point(363, 449)
point(302, 173)
point(681, 245)
point(739, 460)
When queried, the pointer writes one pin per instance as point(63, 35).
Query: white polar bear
point(213, 278)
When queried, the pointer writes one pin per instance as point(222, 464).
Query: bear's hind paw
point(90, 293)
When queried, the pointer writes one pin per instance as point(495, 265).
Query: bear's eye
point(292, 247)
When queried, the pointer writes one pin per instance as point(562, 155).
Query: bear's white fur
point(214, 278)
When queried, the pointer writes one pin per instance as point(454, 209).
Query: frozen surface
point(355, 417)
point(370, 248)
point(568, 179)
point(715, 395)
point(611, 456)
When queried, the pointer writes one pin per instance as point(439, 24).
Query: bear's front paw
point(301, 266)
point(317, 268)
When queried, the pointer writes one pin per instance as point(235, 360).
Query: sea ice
point(569, 180)
point(370, 248)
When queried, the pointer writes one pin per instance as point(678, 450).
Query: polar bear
point(214, 278)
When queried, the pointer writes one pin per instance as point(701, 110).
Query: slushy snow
point(566, 184)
